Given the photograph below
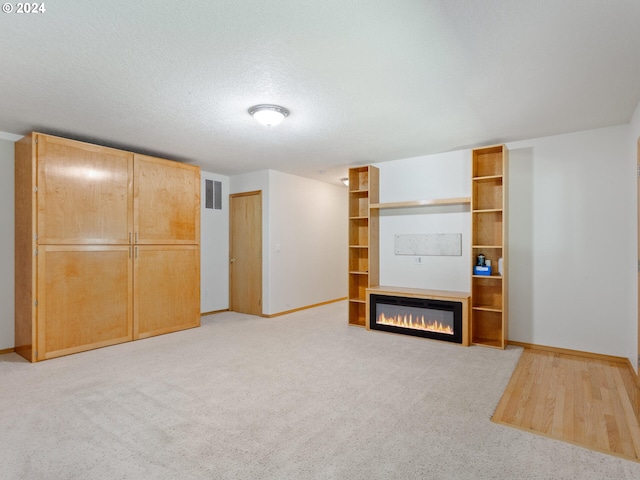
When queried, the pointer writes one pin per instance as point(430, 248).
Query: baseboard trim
point(204, 314)
point(7, 350)
point(633, 389)
point(636, 376)
point(303, 308)
point(576, 353)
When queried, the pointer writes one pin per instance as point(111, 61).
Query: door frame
point(231, 252)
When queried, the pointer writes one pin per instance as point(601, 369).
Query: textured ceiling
point(365, 81)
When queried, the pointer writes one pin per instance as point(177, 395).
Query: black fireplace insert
point(420, 317)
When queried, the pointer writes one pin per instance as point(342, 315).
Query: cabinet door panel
point(84, 193)
point(166, 201)
point(166, 289)
point(84, 298)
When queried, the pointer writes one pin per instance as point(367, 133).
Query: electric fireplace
point(420, 317)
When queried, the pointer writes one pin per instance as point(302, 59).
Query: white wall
point(423, 178)
point(214, 249)
point(304, 238)
point(572, 241)
point(307, 241)
point(6, 244)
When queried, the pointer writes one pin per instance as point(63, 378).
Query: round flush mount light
point(268, 115)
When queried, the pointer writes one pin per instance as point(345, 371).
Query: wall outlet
point(417, 260)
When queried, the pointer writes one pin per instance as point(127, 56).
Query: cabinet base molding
point(213, 312)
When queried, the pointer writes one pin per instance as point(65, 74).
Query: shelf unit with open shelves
point(489, 237)
point(363, 235)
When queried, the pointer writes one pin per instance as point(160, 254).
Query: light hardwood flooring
point(588, 402)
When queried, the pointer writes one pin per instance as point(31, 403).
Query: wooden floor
point(584, 401)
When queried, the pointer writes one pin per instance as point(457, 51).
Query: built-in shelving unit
point(363, 239)
point(488, 205)
point(489, 237)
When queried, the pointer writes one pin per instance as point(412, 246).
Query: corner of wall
point(214, 248)
point(634, 327)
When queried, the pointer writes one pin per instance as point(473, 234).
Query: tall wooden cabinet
point(489, 238)
point(107, 246)
point(166, 218)
point(363, 239)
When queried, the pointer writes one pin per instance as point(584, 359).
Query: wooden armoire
point(107, 246)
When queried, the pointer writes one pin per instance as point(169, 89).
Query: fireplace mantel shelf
point(416, 292)
point(423, 203)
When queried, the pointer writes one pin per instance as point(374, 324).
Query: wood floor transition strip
point(579, 400)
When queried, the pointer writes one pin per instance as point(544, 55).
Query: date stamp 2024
point(25, 8)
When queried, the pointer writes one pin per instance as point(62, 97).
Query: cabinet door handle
point(233, 260)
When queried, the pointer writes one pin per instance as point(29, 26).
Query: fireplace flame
point(417, 322)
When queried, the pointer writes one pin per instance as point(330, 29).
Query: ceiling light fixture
point(345, 180)
point(268, 115)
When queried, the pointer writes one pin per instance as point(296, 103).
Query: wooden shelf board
point(355, 272)
point(422, 203)
point(358, 191)
point(487, 342)
point(358, 246)
point(487, 177)
point(359, 218)
point(357, 300)
point(486, 246)
point(493, 277)
point(487, 210)
point(487, 308)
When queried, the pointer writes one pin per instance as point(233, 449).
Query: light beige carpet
point(302, 396)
